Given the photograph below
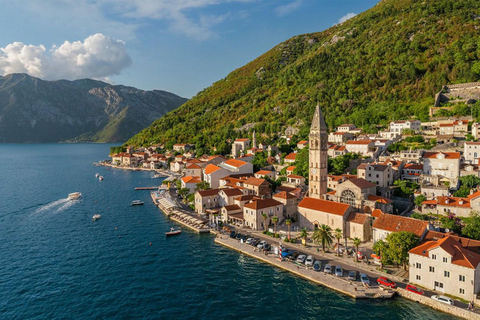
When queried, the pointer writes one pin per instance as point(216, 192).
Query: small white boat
point(100, 178)
point(137, 203)
point(74, 196)
point(97, 175)
point(173, 232)
point(96, 217)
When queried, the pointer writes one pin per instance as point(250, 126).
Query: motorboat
point(137, 203)
point(96, 217)
point(97, 175)
point(100, 178)
point(74, 196)
point(173, 232)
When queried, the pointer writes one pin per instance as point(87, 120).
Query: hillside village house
point(212, 175)
point(265, 173)
point(290, 169)
point(441, 167)
point(412, 172)
point(379, 174)
point(388, 223)
point(401, 125)
point(302, 144)
point(259, 187)
point(455, 128)
point(336, 150)
point(359, 226)
point(446, 205)
point(252, 212)
point(290, 158)
point(180, 147)
point(471, 151)
point(346, 128)
point(469, 169)
point(339, 137)
point(476, 130)
point(227, 196)
point(445, 265)
point(233, 214)
point(333, 181)
point(193, 170)
point(364, 147)
point(190, 183)
point(206, 199)
point(295, 180)
point(237, 166)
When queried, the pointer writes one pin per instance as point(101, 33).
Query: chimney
point(447, 201)
point(460, 202)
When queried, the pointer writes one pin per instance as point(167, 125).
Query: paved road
point(345, 266)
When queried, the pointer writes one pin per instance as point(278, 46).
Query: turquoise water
point(56, 264)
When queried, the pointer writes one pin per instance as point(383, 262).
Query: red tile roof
point(246, 197)
point(193, 166)
point(291, 168)
point(191, 179)
point(264, 172)
point(413, 166)
point(262, 204)
point(284, 195)
point(294, 176)
point(359, 218)
point(377, 213)
point(359, 142)
point(252, 181)
point(235, 163)
point(233, 207)
point(453, 202)
point(460, 255)
point(291, 156)
point(324, 206)
point(379, 199)
point(393, 223)
point(242, 140)
point(362, 183)
point(304, 142)
point(472, 143)
point(448, 155)
point(211, 168)
point(446, 125)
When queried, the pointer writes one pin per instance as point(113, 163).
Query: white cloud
point(98, 57)
point(346, 17)
point(288, 8)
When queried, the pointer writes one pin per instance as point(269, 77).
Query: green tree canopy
point(472, 226)
point(399, 243)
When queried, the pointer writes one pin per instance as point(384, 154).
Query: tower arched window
point(348, 197)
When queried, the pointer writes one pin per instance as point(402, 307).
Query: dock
point(171, 209)
point(146, 188)
point(353, 289)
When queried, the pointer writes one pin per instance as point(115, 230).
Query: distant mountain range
point(384, 64)
point(34, 110)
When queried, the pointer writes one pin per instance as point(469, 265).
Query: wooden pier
point(146, 188)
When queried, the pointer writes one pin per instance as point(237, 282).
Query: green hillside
point(386, 63)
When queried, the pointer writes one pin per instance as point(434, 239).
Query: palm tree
point(338, 235)
point(304, 235)
point(275, 221)
point(380, 248)
point(288, 222)
point(323, 235)
point(264, 216)
point(356, 243)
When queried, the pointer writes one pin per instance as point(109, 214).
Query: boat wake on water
point(56, 206)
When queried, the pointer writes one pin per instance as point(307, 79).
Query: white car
point(364, 279)
point(261, 244)
point(339, 271)
point(443, 299)
point(249, 240)
point(301, 258)
point(327, 269)
point(309, 261)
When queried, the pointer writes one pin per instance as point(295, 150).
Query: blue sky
point(181, 46)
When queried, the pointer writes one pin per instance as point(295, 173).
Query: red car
point(387, 283)
point(414, 289)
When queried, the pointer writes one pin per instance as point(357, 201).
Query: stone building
point(318, 158)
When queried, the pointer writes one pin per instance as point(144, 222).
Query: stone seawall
point(456, 311)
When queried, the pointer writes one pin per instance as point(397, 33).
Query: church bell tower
point(318, 158)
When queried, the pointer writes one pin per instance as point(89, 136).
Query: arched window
point(348, 197)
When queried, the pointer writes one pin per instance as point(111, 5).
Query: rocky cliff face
point(33, 110)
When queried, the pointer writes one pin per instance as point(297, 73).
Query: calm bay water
point(56, 264)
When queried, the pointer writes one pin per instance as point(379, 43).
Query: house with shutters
point(206, 199)
point(252, 212)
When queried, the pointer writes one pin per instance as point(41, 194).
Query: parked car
point(255, 242)
point(352, 275)
point(364, 279)
point(261, 244)
point(293, 255)
point(414, 289)
point(339, 271)
point(267, 247)
point(383, 281)
point(309, 261)
point(317, 265)
point(249, 240)
point(327, 269)
point(233, 234)
point(238, 236)
point(244, 237)
point(443, 299)
point(301, 258)
point(286, 253)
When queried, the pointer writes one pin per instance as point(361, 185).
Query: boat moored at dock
point(173, 232)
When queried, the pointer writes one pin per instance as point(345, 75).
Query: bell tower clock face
point(314, 171)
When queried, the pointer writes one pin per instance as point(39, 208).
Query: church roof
point(318, 121)
point(324, 206)
point(362, 183)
